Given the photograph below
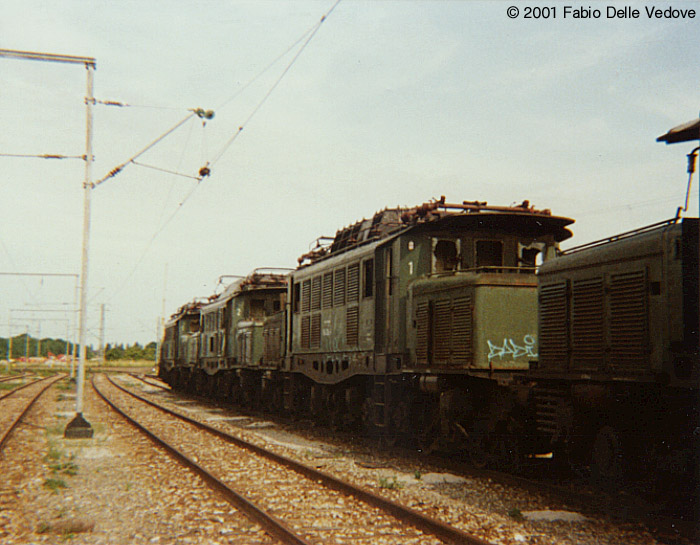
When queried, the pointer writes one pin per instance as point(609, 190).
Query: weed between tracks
point(391, 483)
point(515, 514)
point(55, 484)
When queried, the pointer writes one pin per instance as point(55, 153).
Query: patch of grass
point(57, 429)
point(9, 385)
point(391, 483)
point(59, 464)
point(53, 454)
point(65, 385)
point(67, 468)
point(515, 514)
point(55, 484)
point(417, 474)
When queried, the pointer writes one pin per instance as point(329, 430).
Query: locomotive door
point(387, 319)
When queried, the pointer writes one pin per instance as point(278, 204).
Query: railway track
point(622, 506)
point(295, 503)
point(151, 380)
point(16, 403)
point(15, 377)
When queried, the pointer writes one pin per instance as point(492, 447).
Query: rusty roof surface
point(392, 220)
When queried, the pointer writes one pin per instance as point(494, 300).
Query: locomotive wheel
point(477, 450)
point(368, 416)
point(606, 459)
point(507, 453)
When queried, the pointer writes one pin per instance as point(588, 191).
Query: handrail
point(621, 236)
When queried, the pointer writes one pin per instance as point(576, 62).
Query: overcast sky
point(390, 103)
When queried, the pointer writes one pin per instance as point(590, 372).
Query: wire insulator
point(204, 114)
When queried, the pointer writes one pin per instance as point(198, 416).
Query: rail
point(267, 521)
point(30, 403)
point(401, 512)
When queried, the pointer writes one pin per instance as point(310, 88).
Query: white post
point(87, 193)
point(9, 341)
point(102, 334)
point(75, 330)
point(79, 427)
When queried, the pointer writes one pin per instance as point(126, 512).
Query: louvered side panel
point(305, 332)
point(442, 332)
point(327, 298)
point(353, 290)
point(316, 331)
point(587, 323)
point(422, 332)
point(306, 296)
point(553, 335)
point(629, 320)
point(351, 325)
point(339, 288)
point(316, 293)
point(462, 340)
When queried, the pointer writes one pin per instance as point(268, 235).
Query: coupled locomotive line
point(50, 381)
point(405, 514)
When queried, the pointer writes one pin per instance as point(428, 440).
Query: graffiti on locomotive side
point(510, 350)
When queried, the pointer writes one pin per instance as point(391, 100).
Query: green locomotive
point(618, 374)
point(414, 322)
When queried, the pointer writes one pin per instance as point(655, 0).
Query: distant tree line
point(130, 352)
point(23, 345)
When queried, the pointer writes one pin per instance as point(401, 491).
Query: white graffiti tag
point(510, 350)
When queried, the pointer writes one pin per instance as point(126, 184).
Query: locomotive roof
point(642, 241)
point(192, 308)
point(259, 279)
point(477, 215)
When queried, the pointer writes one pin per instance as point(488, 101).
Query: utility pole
point(78, 427)
point(102, 333)
point(161, 320)
point(9, 341)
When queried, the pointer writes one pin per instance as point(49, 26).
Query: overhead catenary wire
point(116, 170)
point(205, 170)
point(173, 172)
point(274, 85)
point(150, 242)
